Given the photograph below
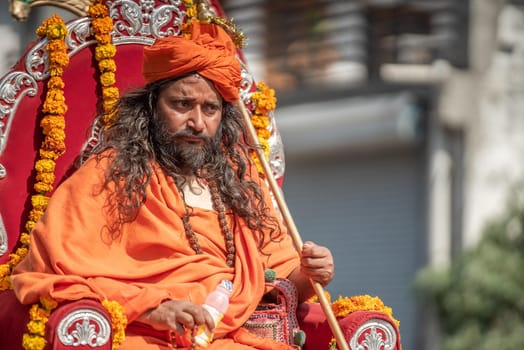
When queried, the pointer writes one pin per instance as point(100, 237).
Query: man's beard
point(187, 156)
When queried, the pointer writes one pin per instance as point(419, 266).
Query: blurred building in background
point(403, 126)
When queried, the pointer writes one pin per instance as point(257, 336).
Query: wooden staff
point(297, 240)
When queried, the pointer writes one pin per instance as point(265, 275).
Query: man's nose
point(196, 120)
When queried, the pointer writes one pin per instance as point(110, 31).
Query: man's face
point(189, 114)
point(190, 105)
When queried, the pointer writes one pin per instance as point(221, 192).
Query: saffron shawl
point(72, 257)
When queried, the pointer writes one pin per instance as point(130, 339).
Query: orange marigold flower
point(55, 83)
point(59, 58)
point(98, 10)
point(260, 121)
point(50, 122)
point(48, 154)
point(107, 65)
point(102, 25)
point(263, 133)
point(107, 78)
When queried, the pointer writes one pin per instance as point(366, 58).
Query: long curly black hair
point(133, 138)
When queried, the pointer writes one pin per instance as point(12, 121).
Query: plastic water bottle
point(216, 304)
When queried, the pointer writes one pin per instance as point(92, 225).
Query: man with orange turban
point(168, 205)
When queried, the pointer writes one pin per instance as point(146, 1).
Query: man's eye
point(182, 104)
point(212, 108)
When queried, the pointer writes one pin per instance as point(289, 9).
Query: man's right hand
point(177, 316)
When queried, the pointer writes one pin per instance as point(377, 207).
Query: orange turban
point(209, 51)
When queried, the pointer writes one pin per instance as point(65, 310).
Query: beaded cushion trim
point(277, 321)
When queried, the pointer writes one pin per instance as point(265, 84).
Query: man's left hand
point(317, 263)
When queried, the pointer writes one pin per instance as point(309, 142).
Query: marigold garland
point(54, 109)
point(53, 144)
point(38, 317)
point(343, 306)
point(264, 103)
point(102, 26)
point(118, 321)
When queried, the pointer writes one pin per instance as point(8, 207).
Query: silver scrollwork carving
point(3, 237)
point(84, 327)
point(372, 330)
point(141, 22)
point(37, 61)
point(13, 88)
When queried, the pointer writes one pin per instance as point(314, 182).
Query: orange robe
point(72, 257)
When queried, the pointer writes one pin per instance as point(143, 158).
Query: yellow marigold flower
point(191, 12)
point(22, 252)
point(263, 134)
point(36, 313)
point(45, 165)
point(111, 93)
point(48, 178)
point(55, 83)
point(118, 321)
point(57, 31)
point(14, 259)
point(35, 214)
point(107, 65)
point(39, 201)
point(107, 78)
point(53, 28)
point(29, 225)
point(53, 145)
point(33, 342)
point(105, 51)
point(36, 328)
point(5, 283)
point(314, 298)
point(57, 134)
point(25, 238)
point(56, 71)
point(58, 146)
point(5, 269)
point(48, 154)
point(48, 303)
point(42, 187)
point(108, 105)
